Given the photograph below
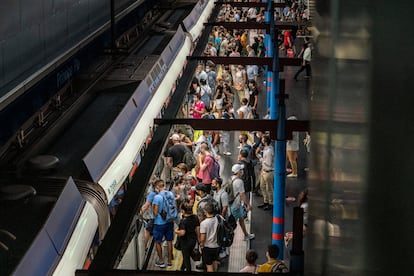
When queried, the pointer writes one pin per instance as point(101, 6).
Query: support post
point(278, 110)
point(268, 53)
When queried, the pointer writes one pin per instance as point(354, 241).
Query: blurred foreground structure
point(362, 130)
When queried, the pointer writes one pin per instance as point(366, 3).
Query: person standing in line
point(244, 109)
point(200, 73)
point(240, 199)
point(240, 81)
point(267, 174)
point(306, 59)
point(206, 166)
point(248, 176)
point(251, 266)
point(205, 138)
point(287, 40)
point(205, 197)
point(162, 228)
point(219, 99)
point(233, 67)
point(292, 148)
point(222, 198)
point(253, 98)
point(252, 72)
point(243, 140)
point(225, 135)
point(250, 52)
point(188, 232)
point(208, 238)
point(175, 155)
point(211, 76)
point(205, 93)
point(261, 49)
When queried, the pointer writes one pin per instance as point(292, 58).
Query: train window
point(148, 81)
point(161, 62)
point(157, 69)
point(154, 74)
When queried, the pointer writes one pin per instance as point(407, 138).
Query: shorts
point(149, 225)
point(163, 230)
point(238, 212)
point(210, 255)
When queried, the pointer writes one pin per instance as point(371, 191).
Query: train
point(70, 214)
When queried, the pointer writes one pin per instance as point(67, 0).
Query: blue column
point(277, 111)
point(269, 53)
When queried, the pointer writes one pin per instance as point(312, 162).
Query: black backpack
point(247, 175)
point(225, 233)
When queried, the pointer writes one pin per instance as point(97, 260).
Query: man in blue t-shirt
point(162, 228)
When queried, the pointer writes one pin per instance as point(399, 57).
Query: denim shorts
point(163, 230)
point(238, 211)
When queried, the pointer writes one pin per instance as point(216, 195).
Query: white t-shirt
point(245, 110)
point(238, 188)
point(293, 145)
point(209, 227)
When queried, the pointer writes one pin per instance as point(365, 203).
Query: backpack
point(279, 267)
point(247, 177)
point(169, 209)
point(225, 233)
point(189, 159)
point(215, 168)
point(228, 187)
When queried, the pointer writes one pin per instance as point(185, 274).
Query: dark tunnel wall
point(33, 33)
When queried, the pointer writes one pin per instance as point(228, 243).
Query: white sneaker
point(249, 237)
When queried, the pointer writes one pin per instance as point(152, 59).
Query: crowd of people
point(201, 194)
point(192, 167)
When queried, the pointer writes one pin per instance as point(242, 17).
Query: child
point(251, 266)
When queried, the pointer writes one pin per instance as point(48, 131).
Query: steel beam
point(238, 124)
point(240, 25)
point(235, 60)
point(249, 4)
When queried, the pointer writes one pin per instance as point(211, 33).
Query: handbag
point(177, 244)
point(196, 254)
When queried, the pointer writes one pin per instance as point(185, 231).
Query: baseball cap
point(236, 168)
point(175, 137)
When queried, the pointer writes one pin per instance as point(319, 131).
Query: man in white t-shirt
point(208, 238)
